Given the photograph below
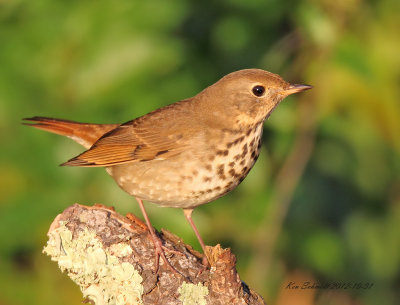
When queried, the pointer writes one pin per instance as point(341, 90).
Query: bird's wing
point(136, 140)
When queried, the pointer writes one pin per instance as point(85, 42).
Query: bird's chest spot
point(230, 162)
point(242, 154)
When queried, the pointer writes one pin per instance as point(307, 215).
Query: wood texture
point(111, 258)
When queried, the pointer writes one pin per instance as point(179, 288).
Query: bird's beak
point(295, 88)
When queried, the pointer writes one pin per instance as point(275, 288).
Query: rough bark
point(112, 259)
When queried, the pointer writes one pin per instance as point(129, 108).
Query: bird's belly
point(185, 181)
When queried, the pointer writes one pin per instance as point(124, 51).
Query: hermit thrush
point(185, 154)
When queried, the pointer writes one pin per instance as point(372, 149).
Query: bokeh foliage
point(323, 201)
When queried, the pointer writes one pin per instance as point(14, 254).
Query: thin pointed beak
point(296, 88)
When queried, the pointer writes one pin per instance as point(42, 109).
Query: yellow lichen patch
point(98, 271)
point(191, 294)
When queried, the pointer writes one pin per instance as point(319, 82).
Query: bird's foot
point(160, 250)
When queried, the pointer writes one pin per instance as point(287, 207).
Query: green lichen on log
point(98, 270)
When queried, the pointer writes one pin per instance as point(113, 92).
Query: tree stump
point(112, 259)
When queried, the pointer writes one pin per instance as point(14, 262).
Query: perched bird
point(187, 153)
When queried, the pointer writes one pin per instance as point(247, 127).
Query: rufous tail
point(82, 133)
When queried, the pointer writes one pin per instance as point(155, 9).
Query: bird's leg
point(156, 241)
point(188, 215)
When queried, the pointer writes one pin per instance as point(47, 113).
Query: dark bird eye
point(258, 90)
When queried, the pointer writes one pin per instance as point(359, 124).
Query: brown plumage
point(187, 153)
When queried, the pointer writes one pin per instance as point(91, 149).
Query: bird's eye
point(258, 90)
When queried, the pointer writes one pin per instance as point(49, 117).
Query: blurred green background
point(322, 203)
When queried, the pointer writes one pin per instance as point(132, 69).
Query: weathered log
point(112, 259)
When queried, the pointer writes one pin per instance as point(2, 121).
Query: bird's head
point(248, 96)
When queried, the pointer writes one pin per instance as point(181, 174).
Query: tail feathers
point(82, 133)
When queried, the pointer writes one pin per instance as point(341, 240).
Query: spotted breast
point(194, 177)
